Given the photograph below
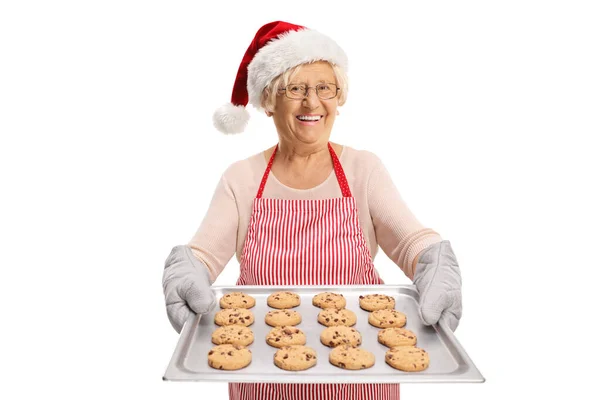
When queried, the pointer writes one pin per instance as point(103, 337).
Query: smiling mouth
point(309, 118)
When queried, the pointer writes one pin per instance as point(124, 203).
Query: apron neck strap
point(337, 167)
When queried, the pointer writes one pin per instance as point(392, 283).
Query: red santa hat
point(277, 47)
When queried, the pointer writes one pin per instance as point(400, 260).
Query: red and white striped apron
point(307, 242)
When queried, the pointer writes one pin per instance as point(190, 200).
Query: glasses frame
point(285, 90)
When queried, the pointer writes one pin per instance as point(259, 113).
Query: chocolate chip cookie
point(374, 302)
point(407, 358)
point(333, 317)
point(283, 300)
point(234, 316)
point(387, 319)
point(282, 336)
point(329, 300)
point(233, 334)
point(295, 358)
point(338, 335)
point(393, 337)
point(237, 300)
point(349, 357)
point(283, 318)
point(229, 357)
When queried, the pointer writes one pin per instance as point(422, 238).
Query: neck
point(301, 154)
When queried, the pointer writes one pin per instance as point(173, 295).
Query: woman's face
point(289, 112)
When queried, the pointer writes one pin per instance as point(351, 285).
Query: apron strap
point(337, 167)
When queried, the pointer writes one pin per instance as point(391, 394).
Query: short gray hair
point(269, 94)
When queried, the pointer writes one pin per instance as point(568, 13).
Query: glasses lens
point(326, 90)
point(295, 91)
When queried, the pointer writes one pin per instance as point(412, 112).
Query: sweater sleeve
point(215, 240)
point(399, 234)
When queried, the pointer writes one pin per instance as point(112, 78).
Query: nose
point(311, 100)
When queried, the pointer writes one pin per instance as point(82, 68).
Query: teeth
point(309, 118)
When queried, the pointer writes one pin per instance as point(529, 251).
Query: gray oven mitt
point(438, 281)
point(186, 284)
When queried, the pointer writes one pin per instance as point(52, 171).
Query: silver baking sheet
point(448, 360)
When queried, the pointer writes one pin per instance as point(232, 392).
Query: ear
point(269, 113)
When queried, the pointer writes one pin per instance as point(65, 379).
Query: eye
point(297, 89)
point(325, 88)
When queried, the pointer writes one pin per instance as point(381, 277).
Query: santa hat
point(277, 47)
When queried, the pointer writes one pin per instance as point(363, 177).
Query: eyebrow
point(304, 83)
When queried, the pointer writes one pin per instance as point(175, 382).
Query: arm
point(398, 232)
point(215, 241)
point(427, 260)
point(191, 269)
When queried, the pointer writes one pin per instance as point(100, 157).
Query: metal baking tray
point(449, 362)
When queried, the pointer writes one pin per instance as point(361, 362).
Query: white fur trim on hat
point(288, 50)
point(230, 118)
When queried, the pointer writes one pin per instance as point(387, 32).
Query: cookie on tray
point(233, 334)
point(283, 318)
point(374, 302)
point(234, 316)
point(338, 335)
point(295, 358)
point(387, 319)
point(334, 317)
point(283, 300)
point(394, 337)
point(407, 358)
point(229, 357)
point(237, 300)
point(348, 357)
point(329, 300)
point(282, 336)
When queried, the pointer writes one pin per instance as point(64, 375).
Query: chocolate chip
point(230, 353)
point(326, 319)
point(342, 365)
point(247, 317)
point(336, 320)
point(285, 357)
point(210, 353)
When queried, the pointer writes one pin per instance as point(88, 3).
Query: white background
point(485, 113)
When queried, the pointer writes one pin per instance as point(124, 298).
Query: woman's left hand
point(438, 281)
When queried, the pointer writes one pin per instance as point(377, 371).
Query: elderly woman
point(305, 211)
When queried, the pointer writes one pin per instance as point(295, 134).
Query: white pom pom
point(231, 119)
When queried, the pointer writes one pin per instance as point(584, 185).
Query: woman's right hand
point(186, 285)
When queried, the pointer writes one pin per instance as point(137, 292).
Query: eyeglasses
point(325, 91)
